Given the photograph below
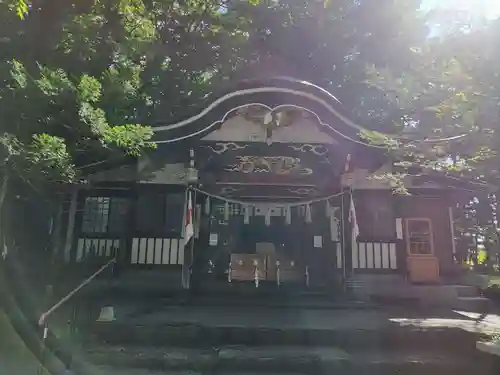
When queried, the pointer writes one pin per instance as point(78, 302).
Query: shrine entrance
point(263, 247)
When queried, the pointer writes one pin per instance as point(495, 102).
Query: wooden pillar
point(346, 235)
point(68, 243)
point(56, 229)
point(192, 179)
point(401, 254)
point(124, 255)
point(452, 234)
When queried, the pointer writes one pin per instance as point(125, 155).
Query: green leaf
point(54, 82)
point(19, 74)
point(132, 138)
point(89, 89)
point(22, 9)
point(95, 118)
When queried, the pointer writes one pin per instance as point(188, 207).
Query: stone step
point(108, 370)
point(196, 335)
point(467, 291)
point(474, 304)
point(305, 360)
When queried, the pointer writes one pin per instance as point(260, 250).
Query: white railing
point(370, 256)
point(144, 250)
point(374, 256)
point(157, 251)
point(96, 247)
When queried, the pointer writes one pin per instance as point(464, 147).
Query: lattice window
point(375, 216)
point(235, 209)
point(104, 215)
point(419, 236)
point(96, 215)
point(175, 206)
point(159, 213)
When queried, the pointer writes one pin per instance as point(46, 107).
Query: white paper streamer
point(268, 217)
point(295, 204)
point(334, 228)
point(308, 213)
point(328, 211)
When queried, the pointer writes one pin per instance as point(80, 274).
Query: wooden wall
point(434, 208)
point(379, 248)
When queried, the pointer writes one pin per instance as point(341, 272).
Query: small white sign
point(214, 238)
point(318, 241)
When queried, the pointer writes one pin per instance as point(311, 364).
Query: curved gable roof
point(274, 93)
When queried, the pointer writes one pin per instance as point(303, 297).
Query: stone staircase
point(244, 331)
point(245, 340)
point(276, 360)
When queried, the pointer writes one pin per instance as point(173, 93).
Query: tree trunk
point(3, 195)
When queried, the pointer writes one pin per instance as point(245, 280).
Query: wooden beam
point(71, 224)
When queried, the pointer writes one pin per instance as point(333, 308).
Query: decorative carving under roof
point(259, 123)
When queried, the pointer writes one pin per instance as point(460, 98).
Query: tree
point(379, 59)
point(102, 67)
point(80, 79)
point(451, 90)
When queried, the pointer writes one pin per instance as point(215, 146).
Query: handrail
point(45, 315)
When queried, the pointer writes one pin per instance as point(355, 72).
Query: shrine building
point(269, 186)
